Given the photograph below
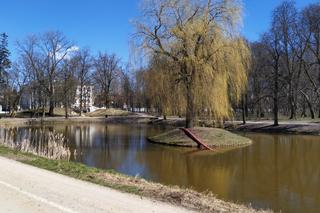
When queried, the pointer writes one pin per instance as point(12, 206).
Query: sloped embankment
point(213, 137)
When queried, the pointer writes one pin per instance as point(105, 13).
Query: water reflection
point(44, 142)
point(277, 171)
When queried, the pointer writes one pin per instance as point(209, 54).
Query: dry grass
point(109, 112)
point(190, 199)
point(211, 136)
point(172, 194)
point(53, 146)
point(58, 112)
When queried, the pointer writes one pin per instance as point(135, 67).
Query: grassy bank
point(108, 112)
point(174, 195)
point(211, 136)
point(129, 119)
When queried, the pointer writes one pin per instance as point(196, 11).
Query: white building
point(87, 98)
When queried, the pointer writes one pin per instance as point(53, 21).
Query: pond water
point(278, 172)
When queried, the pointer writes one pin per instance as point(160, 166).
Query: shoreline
point(212, 137)
point(174, 195)
point(285, 127)
point(170, 194)
point(130, 119)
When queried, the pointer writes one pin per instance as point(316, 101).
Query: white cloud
point(70, 52)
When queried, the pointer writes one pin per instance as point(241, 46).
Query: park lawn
point(108, 112)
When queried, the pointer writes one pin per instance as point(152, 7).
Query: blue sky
point(104, 24)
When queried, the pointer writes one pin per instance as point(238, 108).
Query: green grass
point(202, 202)
point(71, 169)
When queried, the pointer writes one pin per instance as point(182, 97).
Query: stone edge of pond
point(187, 198)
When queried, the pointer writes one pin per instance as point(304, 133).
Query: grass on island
point(211, 136)
point(109, 112)
point(203, 202)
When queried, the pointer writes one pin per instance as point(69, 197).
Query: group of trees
point(48, 70)
point(285, 76)
point(198, 65)
point(198, 60)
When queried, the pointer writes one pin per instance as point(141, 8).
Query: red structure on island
point(192, 136)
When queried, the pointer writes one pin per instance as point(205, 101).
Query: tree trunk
point(43, 110)
point(309, 104)
point(243, 110)
point(66, 113)
point(51, 100)
point(275, 96)
point(107, 102)
point(81, 100)
point(292, 103)
point(246, 107)
point(51, 108)
point(190, 112)
point(303, 112)
point(66, 105)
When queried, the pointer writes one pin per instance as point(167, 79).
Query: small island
point(213, 137)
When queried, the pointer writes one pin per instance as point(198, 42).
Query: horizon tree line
point(282, 67)
point(285, 74)
point(198, 65)
point(49, 68)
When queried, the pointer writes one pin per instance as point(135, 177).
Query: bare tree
point(310, 32)
point(106, 71)
point(127, 89)
point(285, 22)
point(17, 84)
point(271, 40)
point(45, 54)
point(68, 83)
point(83, 73)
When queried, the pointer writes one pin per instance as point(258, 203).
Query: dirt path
point(25, 188)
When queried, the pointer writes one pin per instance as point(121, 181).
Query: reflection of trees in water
point(40, 141)
point(281, 172)
point(103, 146)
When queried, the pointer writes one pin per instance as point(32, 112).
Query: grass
point(211, 136)
point(109, 112)
point(71, 169)
point(171, 194)
point(58, 112)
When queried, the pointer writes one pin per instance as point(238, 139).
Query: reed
point(48, 144)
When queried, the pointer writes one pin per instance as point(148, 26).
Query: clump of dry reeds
point(48, 144)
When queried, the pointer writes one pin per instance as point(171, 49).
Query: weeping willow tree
point(161, 88)
point(201, 37)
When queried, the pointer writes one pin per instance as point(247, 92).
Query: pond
point(279, 172)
